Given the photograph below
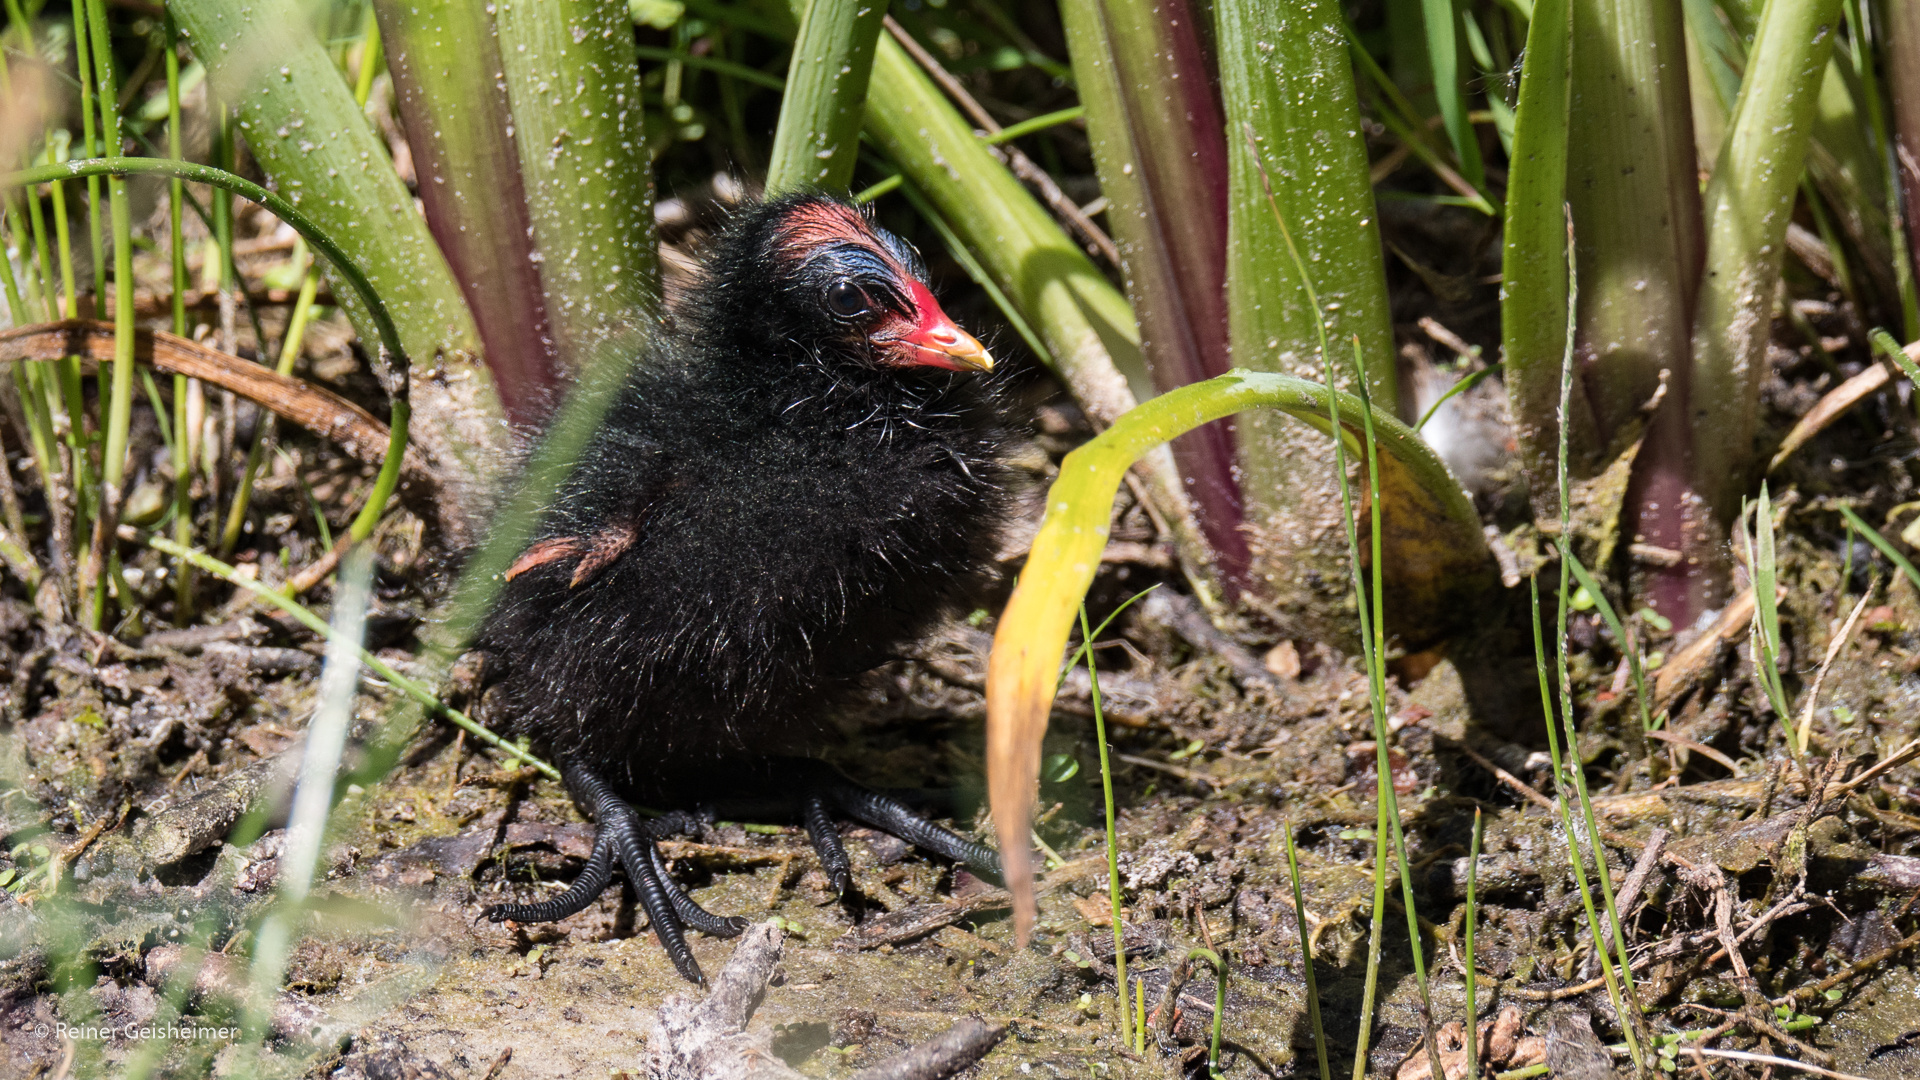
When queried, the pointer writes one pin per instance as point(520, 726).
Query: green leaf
point(1297, 164)
point(1747, 204)
point(817, 141)
point(306, 132)
point(1431, 541)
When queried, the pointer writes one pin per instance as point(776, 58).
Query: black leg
point(884, 812)
point(585, 890)
point(826, 843)
point(624, 838)
point(684, 906)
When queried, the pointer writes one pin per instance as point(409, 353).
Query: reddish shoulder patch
point(544, 552)
point(611, 543)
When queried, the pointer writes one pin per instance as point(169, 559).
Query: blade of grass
point(817, 140)
point(320, 756)
point(91, 146)
point(1575, 858)
point(1373, 631)
point(1621, 634)
point(1306, 956)
point(1436, 521)
point(1472, 973)
point(1620, 983)
point(1219, 1004)
point(1441, 22)
point(1882, 545)
point(290, 345)
point(176, 247)
point(1460, 387)
point(411, 688)
point(1114, 897)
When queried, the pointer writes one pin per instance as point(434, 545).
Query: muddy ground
point(131, 765)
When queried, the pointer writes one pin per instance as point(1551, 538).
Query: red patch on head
point(811, 224)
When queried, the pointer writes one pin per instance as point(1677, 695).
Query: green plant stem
point(1219, 1003)
point(1882, 545)
point(1621, 634)
point(315, 623)
point(1306, 958)
point(1747, 204)
point(89, 145)
point(203, 174)
point(818, 137)
point(290, 345)
point(1534, 263)
point(1620, 984)
point(176, 245)
point(1472, 975)
point(119, 397)
point(1113, 839)
point(1443, 53)
point(1456, 389)
point(1037, 123)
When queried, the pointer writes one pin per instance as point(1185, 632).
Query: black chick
point(796, 483)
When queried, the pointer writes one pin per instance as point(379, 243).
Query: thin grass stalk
point(90, 146)
point(817, 141)
point(1621, 983)
point(320, 758)
point(1472, 974)
point(63, 239)
point(1373, 647)
point(1114, 897)
point(1882, 545)
point(1575, 858)
point(290, 345)
point(1219, 1004)
point(176, 246)
point(1763, 633)
point(1306, 955)
point(119, 390)
point(411, 688)
point(56, 385)
point(1377, 678)
point(1623, 634)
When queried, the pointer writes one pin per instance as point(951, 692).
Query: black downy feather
point(767, 510)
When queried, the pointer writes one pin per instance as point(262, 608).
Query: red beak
point(936, 342)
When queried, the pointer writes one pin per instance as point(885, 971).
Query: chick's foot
point(625, 838)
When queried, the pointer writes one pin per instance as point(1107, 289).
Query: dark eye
point(846, 299)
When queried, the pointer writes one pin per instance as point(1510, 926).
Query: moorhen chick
point(803, 475)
